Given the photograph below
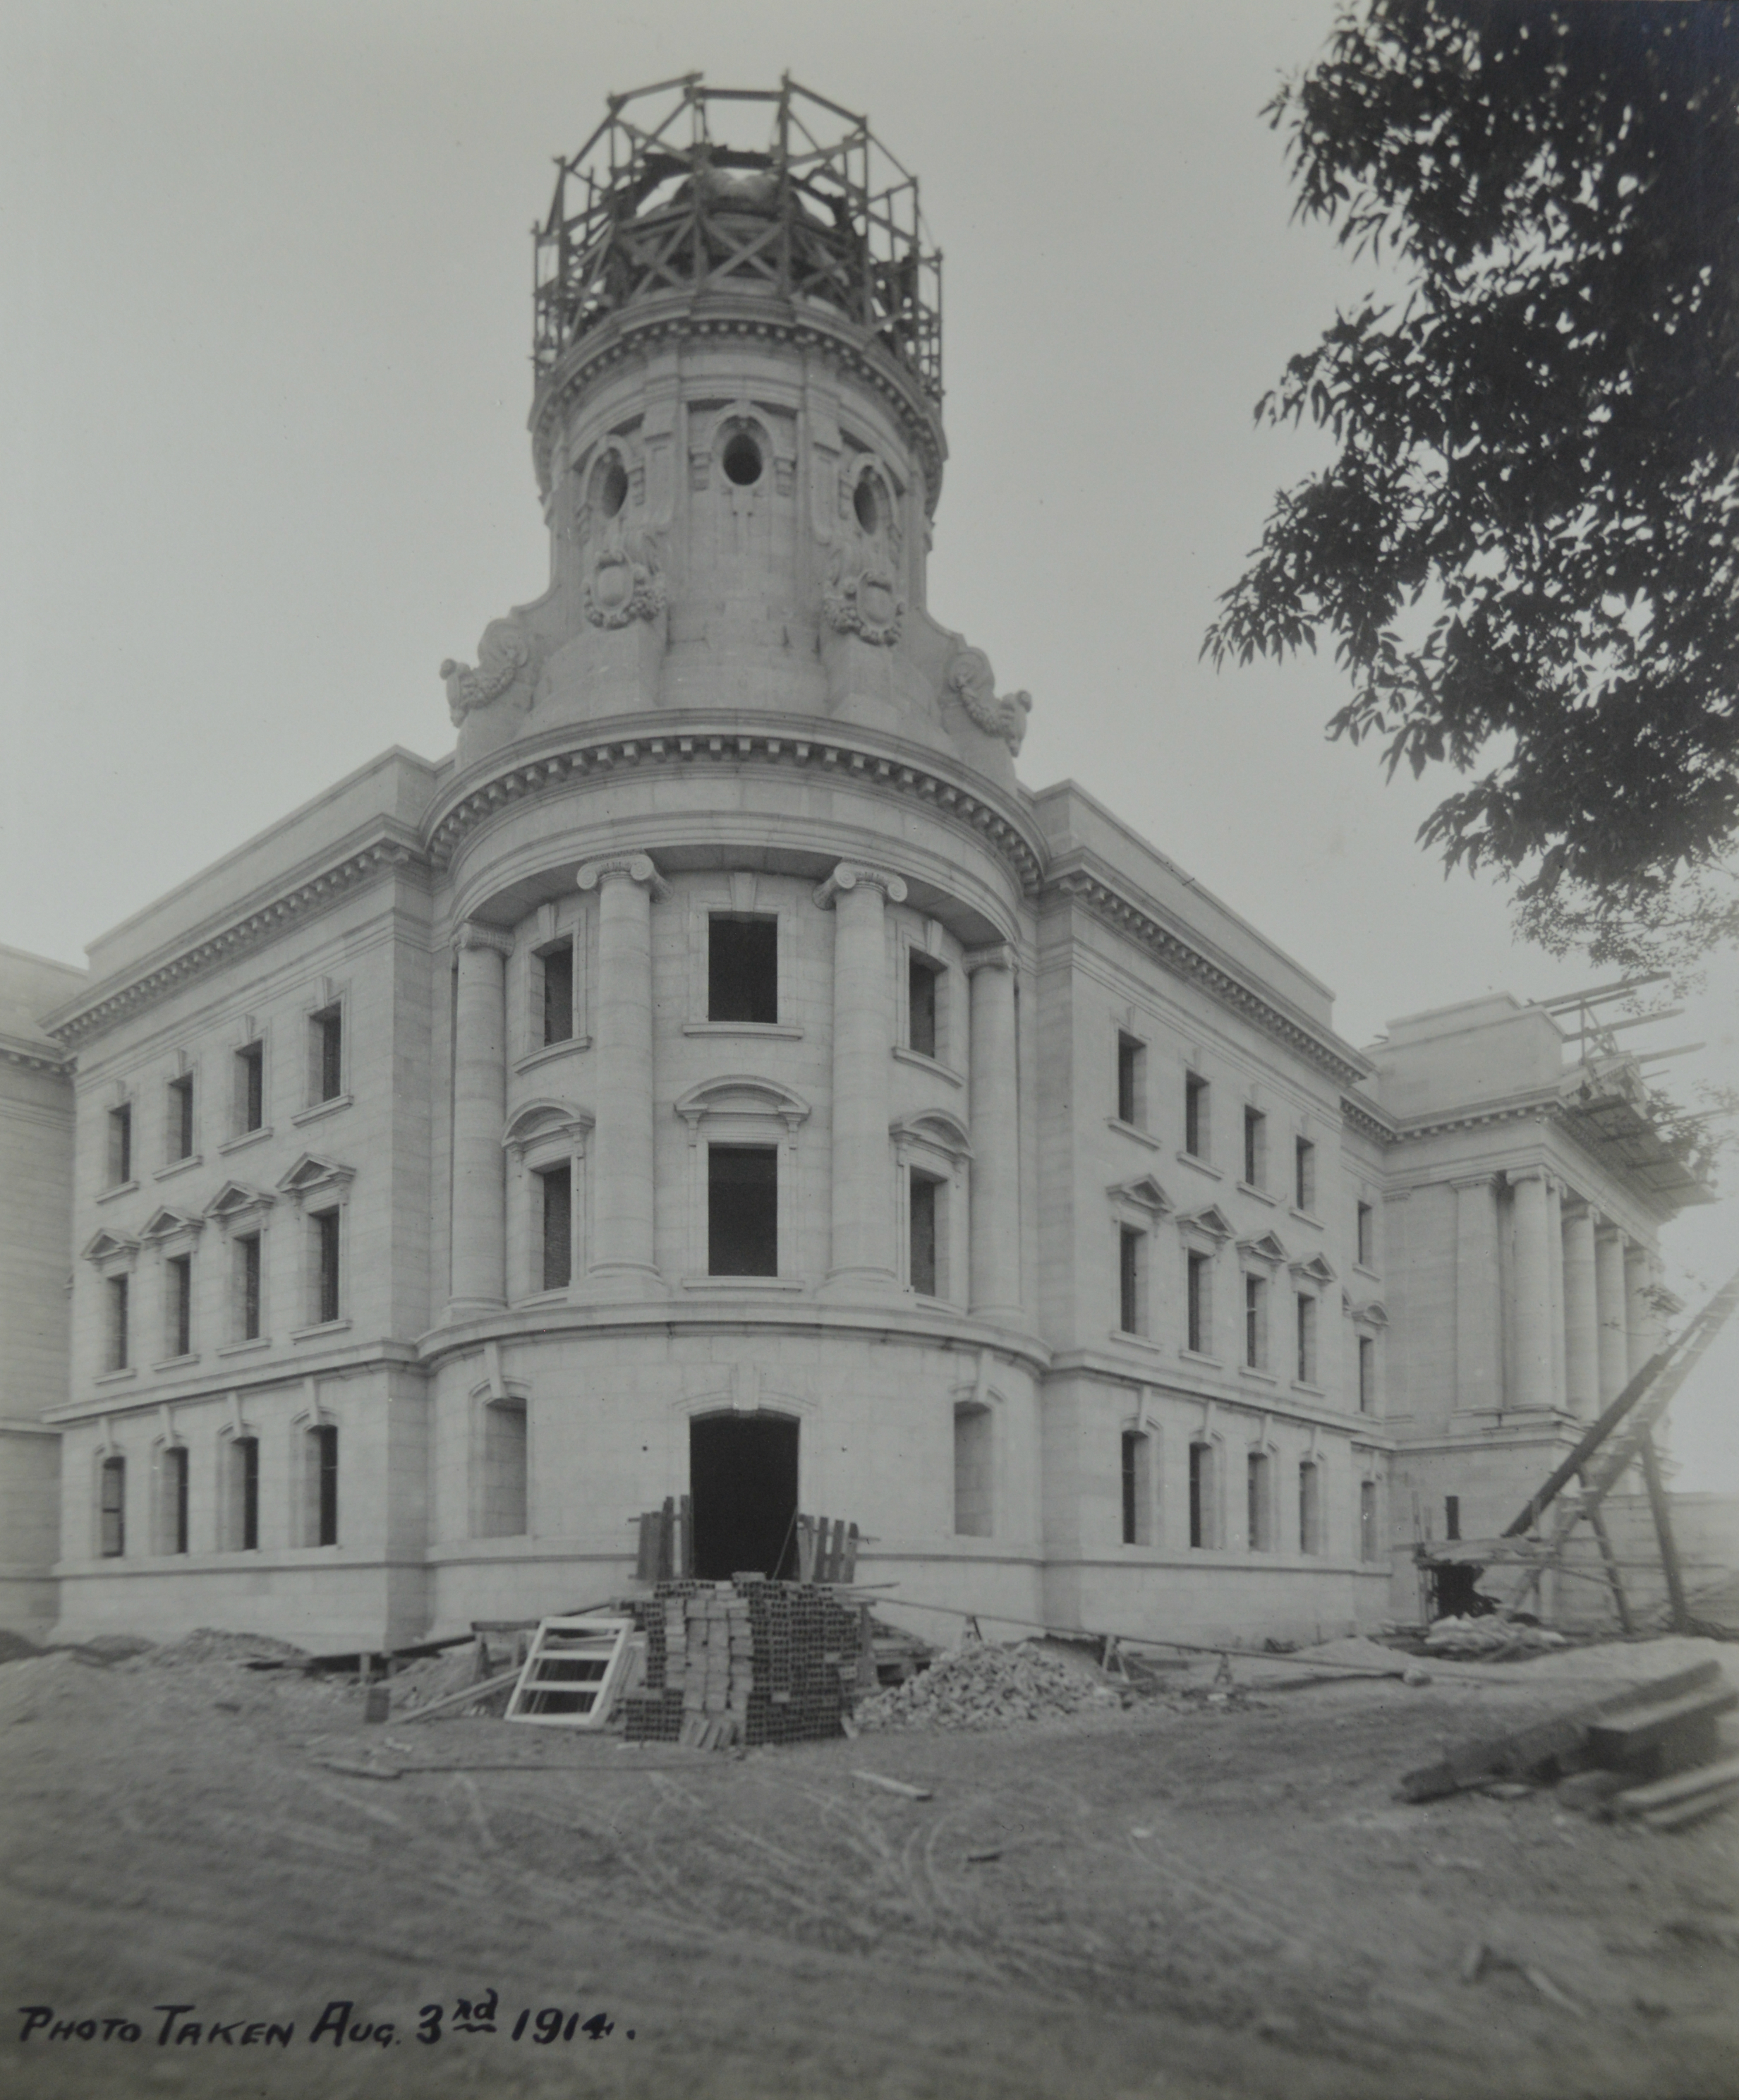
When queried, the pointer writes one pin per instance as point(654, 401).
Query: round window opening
point(742, 461)
point(867, 505)
point(613, 491)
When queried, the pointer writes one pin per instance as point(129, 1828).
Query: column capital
point(1000, 957)
point(1605, 1230)
point(1515, 1175)
point(850, 875)
point(472, 934)
point(1474, 1181)
point(631, 867)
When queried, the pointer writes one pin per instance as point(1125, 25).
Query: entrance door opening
point(742, 1475)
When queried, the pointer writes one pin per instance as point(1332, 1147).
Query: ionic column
point(1610, 1300)
point(1479, 1333)
point(622, 1192)
point(996, 1136)
point(1582, 1324)
point(863, 1219)
point(1555, 1273)
point(1642, 1318)
point(479, 1257)
point(1533, 1295)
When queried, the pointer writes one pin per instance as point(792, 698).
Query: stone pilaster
point(1581, 1325)
point(1555, 1276)
point(1614, 1322)
point(862, 1255)
point(1533, 1293)
point(623, 1259)
point(996, 1137)
point(479, 1260)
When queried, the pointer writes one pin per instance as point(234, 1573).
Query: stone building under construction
point(721, 1076)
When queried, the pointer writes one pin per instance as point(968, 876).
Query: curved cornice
point(558, 758)
point(394, 846)
point(643, 326)
point(1097, 895)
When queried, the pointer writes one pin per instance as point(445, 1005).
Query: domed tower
point(740, 882)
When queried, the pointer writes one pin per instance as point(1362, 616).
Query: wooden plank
point(1609, 1560)
point(1693, 1810)
point(1626, 1735)
point(471, 1691)
point(1564, 1736)
point(894, 1785)
point(1663, 1792)
point(1680, 1618)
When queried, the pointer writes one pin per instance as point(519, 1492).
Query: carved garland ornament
point(861, 598)
point(625, 582)
point(973, 682)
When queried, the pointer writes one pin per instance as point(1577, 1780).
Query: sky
point(265, 267)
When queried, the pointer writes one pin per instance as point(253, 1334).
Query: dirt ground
point(1188, 1899)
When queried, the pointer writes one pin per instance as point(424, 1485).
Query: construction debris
point(894, 1786)
point(750, 1661)
point(1688, 1796)
point(1490, 1639)
point(982, 1685)
point(572, 1672)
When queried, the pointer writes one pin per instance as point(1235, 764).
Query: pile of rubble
point(210, 1644)
point(982, 1686)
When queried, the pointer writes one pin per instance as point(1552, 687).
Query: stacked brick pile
point(980, 1686)
point(751, 1662)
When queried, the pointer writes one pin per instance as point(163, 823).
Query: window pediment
point(1315, 1271)
point(107, 1246)
point(742, 1094)
point(312, 1175)
point(237, 1199)
point(1265, 1247)
point(1373, 1314)
point(541, 1121)
point(166, 1224)
point(1210, 1224)
point(1144, 1192)
point(936, 1128)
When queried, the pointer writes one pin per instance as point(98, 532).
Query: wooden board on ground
point(1549, 1747)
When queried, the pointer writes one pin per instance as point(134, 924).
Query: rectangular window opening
point(1306, 1372)
point(1256, 1497)
point(1366, 1375)
point(1367, 1539)
point(1303, 1175)
point(120, 1341)
point(972, 1496)
point(244, 1488)
point(556, 1227)
point(742, 1210)
point(504, 1473)
point(1198, 1313)
point(1310, 1507)
point(1255, 1147)
point(175, 1498)
point(1132, 1105)
point(112, 1507)
point(1132, 1266)
point(742, 968)
point(326, 1054)
point(322, 1441)
point(1367, 1228)
point(1201, 1494)
point(250, 1087)
point(248, 1287)
point(181, 1118)
point(923, 977)
point(556, 965)
point(1451, 1517)
point(325, 1307)
point(178, 1271)
point(926, 1206)
point(1195, 1124)
point(120, 1146)
point(1138, 1488)
point(1255, 1321)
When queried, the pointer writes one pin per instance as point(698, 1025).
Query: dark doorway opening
point(742, 1475)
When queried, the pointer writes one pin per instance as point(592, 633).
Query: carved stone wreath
point(624, 584)
point(973, 682)
point(501, 654)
